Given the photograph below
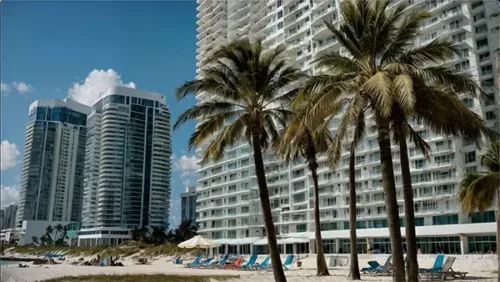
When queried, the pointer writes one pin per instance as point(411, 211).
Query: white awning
point(242, 241)
point(291, 240)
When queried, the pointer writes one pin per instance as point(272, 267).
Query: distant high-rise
point(9, 217)
point(54, 153)
point(188, 204)
point(127, 166)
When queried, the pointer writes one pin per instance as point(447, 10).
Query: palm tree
point(158, 236)
point(48, 237)
point(245, 88)
point(187, 230)
point(478, 190)
point(59, 229)
point(304, 140)
point(380, 67)
point(35, 240)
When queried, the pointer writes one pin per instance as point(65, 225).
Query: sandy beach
point(160, 265)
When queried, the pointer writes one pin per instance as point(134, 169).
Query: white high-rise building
point(52, 172)
point(228, 205)
point(127, 166)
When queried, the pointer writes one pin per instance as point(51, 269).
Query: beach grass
point(144, 278)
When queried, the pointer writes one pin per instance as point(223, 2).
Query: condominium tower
point(188, 204)
point(8, 217)
point(228, 205)
point(54, 153)
point(127, 166)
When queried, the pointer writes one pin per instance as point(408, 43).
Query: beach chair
point(288, 262)
point(446, 271)
point(195, 262)
point(263, 265)
point(235, 264)
point(369, 268)
point(438, 265)
point(218, 264)
point(250, 262)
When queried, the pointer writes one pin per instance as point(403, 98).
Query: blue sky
point(60, 48)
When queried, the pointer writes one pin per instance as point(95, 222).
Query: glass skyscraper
point(127, 166)
point(53, 162)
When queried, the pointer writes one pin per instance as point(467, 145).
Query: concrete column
point(226, 249)
point(464, 244)
point(294, 248)
point(312, 246)
point(369, 243)
point(238, 249)
point(337, 245)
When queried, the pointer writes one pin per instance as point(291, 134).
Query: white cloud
point(9, 196)
point(9, 155)
point(21, 87)
point(5, 88)
point(187, 165)
point(96, 82)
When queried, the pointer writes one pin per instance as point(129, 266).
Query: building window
point(455, 25)
point(482, 244)
point(443, 244)
point(469, 102)
point(280, 2)
point(477, 4)
point(487, 70)
point(280, 14)
point(482, 217)
point(482, 43)
point(280, 25)
point(301, 227)
point(481, 29)
point(419, 221)
point(445, 219)
point(459, 37)
point(490, 115)
point(470, 157)
point(479, 16)
point(484, 57)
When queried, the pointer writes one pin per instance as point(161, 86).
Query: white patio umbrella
point(198, 242)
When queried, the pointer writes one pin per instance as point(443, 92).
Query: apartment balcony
point(321, 15)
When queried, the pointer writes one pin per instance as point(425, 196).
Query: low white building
point(37, 228)
point(9, 235)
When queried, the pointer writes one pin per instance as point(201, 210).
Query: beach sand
point(161, 266)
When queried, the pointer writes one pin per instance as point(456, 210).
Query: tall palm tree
point(353, 114)
point(48, 236)
point(305, 140)
point(158, 236)
point(478, 190)
point(245, 88)
point(380, 66)
point(187, 229)
point(58, 229)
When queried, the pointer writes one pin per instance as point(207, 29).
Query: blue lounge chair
point(196, 262)
point(438, 265)
point(250, 262)
point(288, 262)
point(221, 263)
point(370, 268)
point(104, 261)
point(263, 265)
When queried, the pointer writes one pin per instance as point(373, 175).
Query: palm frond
point(378, 87)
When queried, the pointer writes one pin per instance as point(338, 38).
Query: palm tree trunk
point(391, 204)
point(354, 268)
point(411, 237)
point(279, 274)
point(320, 255)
